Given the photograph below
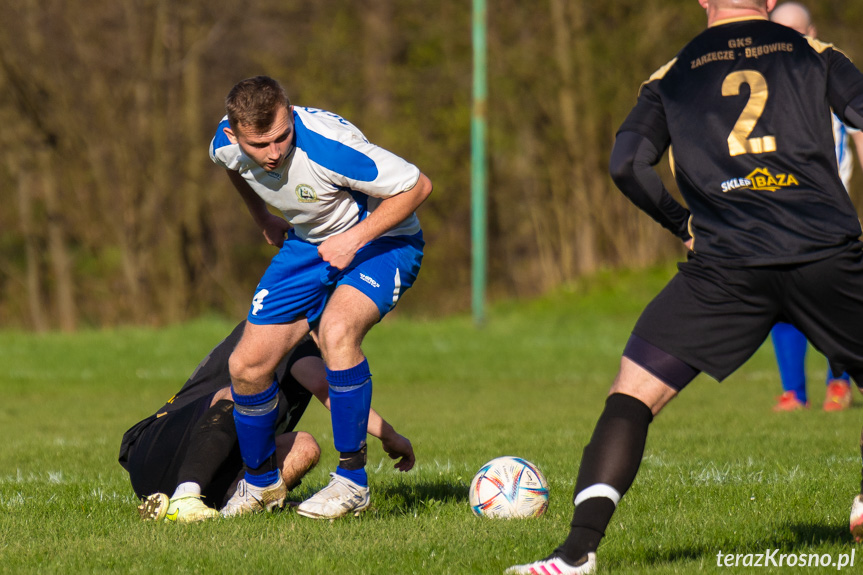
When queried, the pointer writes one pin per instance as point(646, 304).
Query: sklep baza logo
point(760, 179)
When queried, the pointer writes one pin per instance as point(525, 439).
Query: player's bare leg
point(635, 381)
point(259, 352)
point(608, 468)
point(349, 315)
point(252, 365)
point(298, 453)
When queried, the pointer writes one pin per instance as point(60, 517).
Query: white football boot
point(857, 519)
point(189, 509)
point(556, 566)
point(250, 499)
point(340, 497)
point(184, 509)
point(154, 507)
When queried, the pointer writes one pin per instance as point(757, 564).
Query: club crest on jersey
point(760, 179)
point(306, 194)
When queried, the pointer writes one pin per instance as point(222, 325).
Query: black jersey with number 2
point(745, 107)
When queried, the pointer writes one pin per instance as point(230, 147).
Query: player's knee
point(338, 333)
point(635, 381)
point(236, 366)
point(244, 369)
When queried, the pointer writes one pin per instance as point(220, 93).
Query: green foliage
point(721, 471)
point(115, 214)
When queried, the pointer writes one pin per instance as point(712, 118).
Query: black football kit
point(155, 450)
point(745, 109)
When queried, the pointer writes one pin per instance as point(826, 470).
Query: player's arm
point(844, 88)
point(274, 228)
point(309, 372)
point(339, 250)
point(640, 143)
point(631, 167)
point(394, 444)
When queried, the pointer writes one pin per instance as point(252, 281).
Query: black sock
point(210, 443)
point(268, 466)
point(608, 468)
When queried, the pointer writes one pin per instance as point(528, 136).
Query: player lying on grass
point(189, 447)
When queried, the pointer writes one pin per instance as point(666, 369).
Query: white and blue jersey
point(332, 179)
point(844, 157)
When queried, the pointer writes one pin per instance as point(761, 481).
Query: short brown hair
point(254, 102)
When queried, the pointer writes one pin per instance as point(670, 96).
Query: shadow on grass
point(422, 496)
point(791, 540)
point(813, 534)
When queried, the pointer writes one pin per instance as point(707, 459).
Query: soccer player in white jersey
point(353, 247)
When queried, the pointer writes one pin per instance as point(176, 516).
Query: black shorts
point(155, 458)
point(714, 317)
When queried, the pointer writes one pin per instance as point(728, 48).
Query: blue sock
point(255, 418)
point(358, 476)
point(790, 345)
point(350, 401)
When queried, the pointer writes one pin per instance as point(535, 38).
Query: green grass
point(721, 472)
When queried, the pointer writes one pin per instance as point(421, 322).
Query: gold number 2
point(739, 141)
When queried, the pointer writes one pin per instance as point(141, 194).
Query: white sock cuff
point(187, 488)
point(598, 490)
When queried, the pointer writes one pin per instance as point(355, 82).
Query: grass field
point(721, 472)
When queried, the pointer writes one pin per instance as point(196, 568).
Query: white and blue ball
point(508, 487)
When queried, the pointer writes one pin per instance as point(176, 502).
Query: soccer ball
point(508, 487)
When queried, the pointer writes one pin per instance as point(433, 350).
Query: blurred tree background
point(113, 213)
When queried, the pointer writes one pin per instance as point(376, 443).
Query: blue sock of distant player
point(255, 418)
point(790, 345)
point(350, 401)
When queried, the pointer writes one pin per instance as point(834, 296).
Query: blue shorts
point(298, 282)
